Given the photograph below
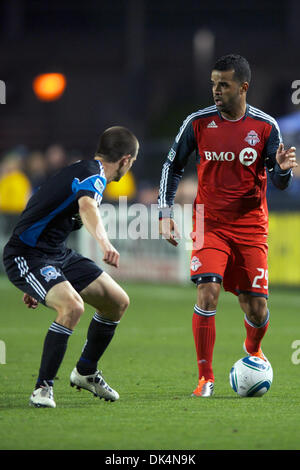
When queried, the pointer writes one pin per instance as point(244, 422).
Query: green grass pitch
point(151, 362)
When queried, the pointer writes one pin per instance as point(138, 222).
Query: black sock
point(55, 346)
point(100, 334)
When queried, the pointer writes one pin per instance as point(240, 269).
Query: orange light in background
point(49, 86)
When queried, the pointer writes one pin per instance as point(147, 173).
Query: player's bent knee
point(258, 315)
point(69, 314)
point(125, 302)
point(121, 306)
point(114, 307)
point(255, 308)
point(258, 318)
point(208, 295)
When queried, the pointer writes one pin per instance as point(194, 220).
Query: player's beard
point(230, 106)
point(117, 178)
point(119, 173)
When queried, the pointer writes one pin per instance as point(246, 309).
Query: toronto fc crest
point(252, 138)
point(195, 263)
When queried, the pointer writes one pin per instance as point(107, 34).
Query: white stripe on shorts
point(29, 277)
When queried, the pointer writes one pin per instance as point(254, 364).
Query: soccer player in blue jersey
point(38, 262)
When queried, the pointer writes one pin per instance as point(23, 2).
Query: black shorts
point(35, 272)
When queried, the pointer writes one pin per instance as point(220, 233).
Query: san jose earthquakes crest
point(49, 273)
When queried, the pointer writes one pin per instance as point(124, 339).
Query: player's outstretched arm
point(92, 221)
point(168, 229)
point(286, 159)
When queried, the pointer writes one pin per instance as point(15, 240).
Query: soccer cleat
point(204, 389)
point(95, 384)
point(42, 397)
point(259, 353)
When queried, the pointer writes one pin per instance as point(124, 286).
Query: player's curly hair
point(116, 142)
point(240, 65)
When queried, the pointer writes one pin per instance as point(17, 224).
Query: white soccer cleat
point(43, 397)
point(204, 389)
point(95, 384)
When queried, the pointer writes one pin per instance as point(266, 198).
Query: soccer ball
point(251, 376)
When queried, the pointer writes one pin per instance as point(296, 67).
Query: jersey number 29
point(263, 274)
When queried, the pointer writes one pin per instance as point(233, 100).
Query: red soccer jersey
point(231, 159)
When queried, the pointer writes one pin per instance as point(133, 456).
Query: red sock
point(255, 334)
point(204, 331)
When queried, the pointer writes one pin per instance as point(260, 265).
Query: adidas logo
point(212, 124)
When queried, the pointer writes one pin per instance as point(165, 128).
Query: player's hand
point(286, 159)
point(30, 301)
point(110, 255)
point(168, 229)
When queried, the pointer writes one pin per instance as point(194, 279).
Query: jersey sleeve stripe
point(258, 113)
point(264, 116)
point(98, 198)
point(163, 185)
point(101, 169)
point(201, 112)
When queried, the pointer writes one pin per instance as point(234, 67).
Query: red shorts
point(242, 266)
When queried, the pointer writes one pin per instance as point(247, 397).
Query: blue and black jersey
point(52, 212)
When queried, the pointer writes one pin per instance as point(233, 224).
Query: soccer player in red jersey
point(234, 143)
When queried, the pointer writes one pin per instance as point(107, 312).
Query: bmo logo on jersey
point(220, 157)
point(248, 156)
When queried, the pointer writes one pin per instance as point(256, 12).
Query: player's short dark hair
point(241, 67)
point(115, 142)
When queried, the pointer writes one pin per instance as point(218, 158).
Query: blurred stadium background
point(145, 65)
